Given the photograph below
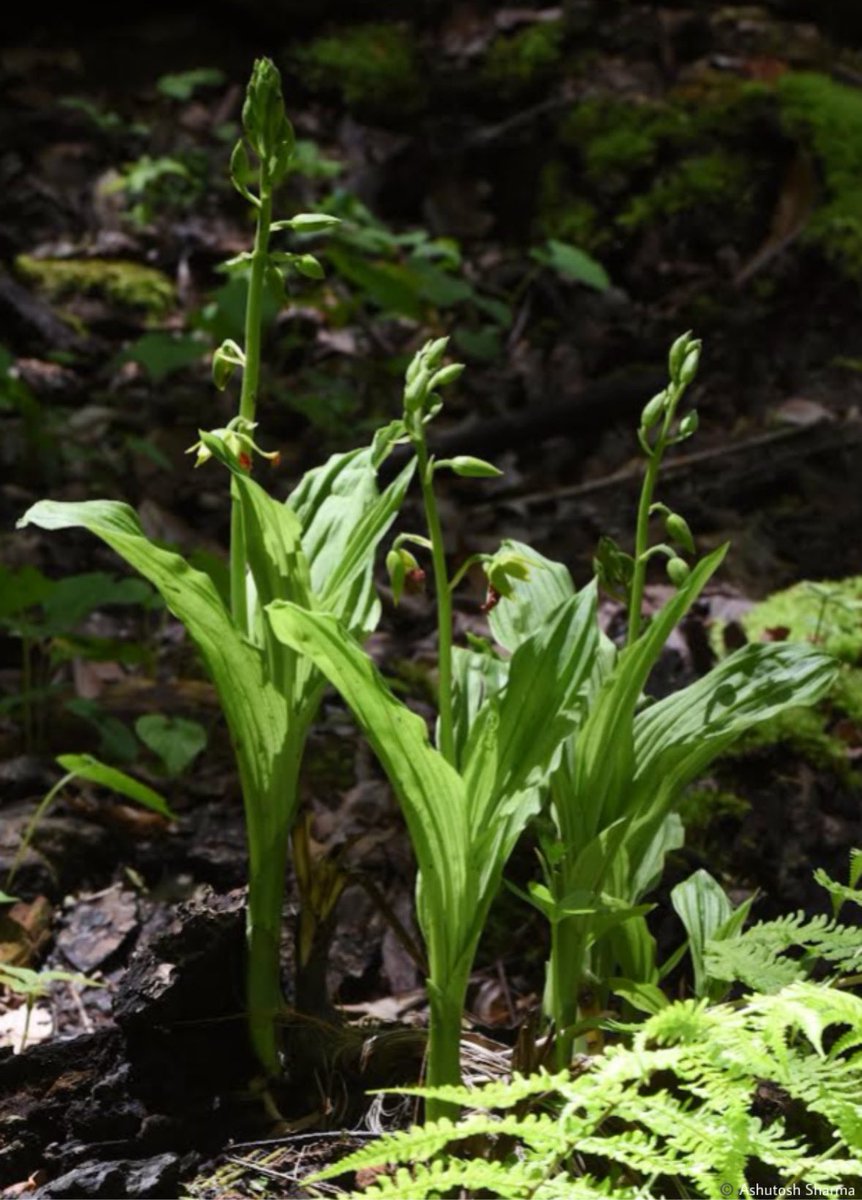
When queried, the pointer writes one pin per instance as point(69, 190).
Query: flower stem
point(641, 556)
point(248, 396)
point(444, 603)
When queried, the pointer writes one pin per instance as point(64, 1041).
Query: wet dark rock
point(153, 1177)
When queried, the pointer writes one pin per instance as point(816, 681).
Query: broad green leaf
point(600, 785)
point(177, 741)
point(273, 536)
point(20, 590)
point(645, 997)
point(539, 706)
point(256, 714)
point(703, 907)
point(477, 676)
point(649, 863)
point(533, 600)
point(84, 766)
point(430, 792)
point(343, 518)
point(678, 737)
point(573, 263)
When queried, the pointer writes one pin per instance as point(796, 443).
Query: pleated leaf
point(431, 792)
point(255, 712)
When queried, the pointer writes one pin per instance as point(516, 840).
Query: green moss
point(804, 731)
point(517, 62)
point(617, 138)
point(562, 214)
point(826, 117)
point(700, 806)
point(703, 181)
point(372, 66)
point(128, 284)
point(828, 613)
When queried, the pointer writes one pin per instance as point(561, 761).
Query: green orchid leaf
point(343, 518)
point(534, 599)
point(677, 738)
point(540, 706)
point(702, 905)
point(477, 676)
point(89, 768)
point(430, 792)
point(256, 714)
point(645, 997)
point(599, 788)
point(273, 536)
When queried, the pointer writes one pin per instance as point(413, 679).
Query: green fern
point(673, 1113)
point(756, 957)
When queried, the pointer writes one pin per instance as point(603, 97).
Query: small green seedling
point(33, 985)
point(85, 766)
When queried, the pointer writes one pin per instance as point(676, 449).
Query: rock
point(155, 1177)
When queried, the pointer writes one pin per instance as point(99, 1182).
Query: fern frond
point(675, 1106)
point(755, 956)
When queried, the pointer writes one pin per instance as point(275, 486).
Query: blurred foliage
point(371, 67)
point(126, 284)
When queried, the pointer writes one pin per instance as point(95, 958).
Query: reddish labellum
point(245, 460)
point(414, 581)
point(492, 599)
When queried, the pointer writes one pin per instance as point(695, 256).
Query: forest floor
point(140, 1086)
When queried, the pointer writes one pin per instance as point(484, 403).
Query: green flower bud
point(446, 375)
point(225, 359)
point(679, 532)
point(396, 571)
point(677, 354)
point(678, 571)
point(688, 425)
point(416, 390)
point(309, 223)
point(688, 370)
point(404, 572)
point(434, 351)
point(471, 468)
point(264, 120)
point(505, 566)
point(653, 410)
point(308, 265)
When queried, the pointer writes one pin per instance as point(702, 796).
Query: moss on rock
point(828, 613)
point(826, 117)
point(516, 62)
point(372, 67)
point(124, 283)
point(704, 181)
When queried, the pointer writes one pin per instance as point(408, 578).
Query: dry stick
point(682, 463)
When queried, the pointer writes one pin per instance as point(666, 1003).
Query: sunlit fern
point(676, 1112)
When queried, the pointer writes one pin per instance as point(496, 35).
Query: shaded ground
point(661, 140)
